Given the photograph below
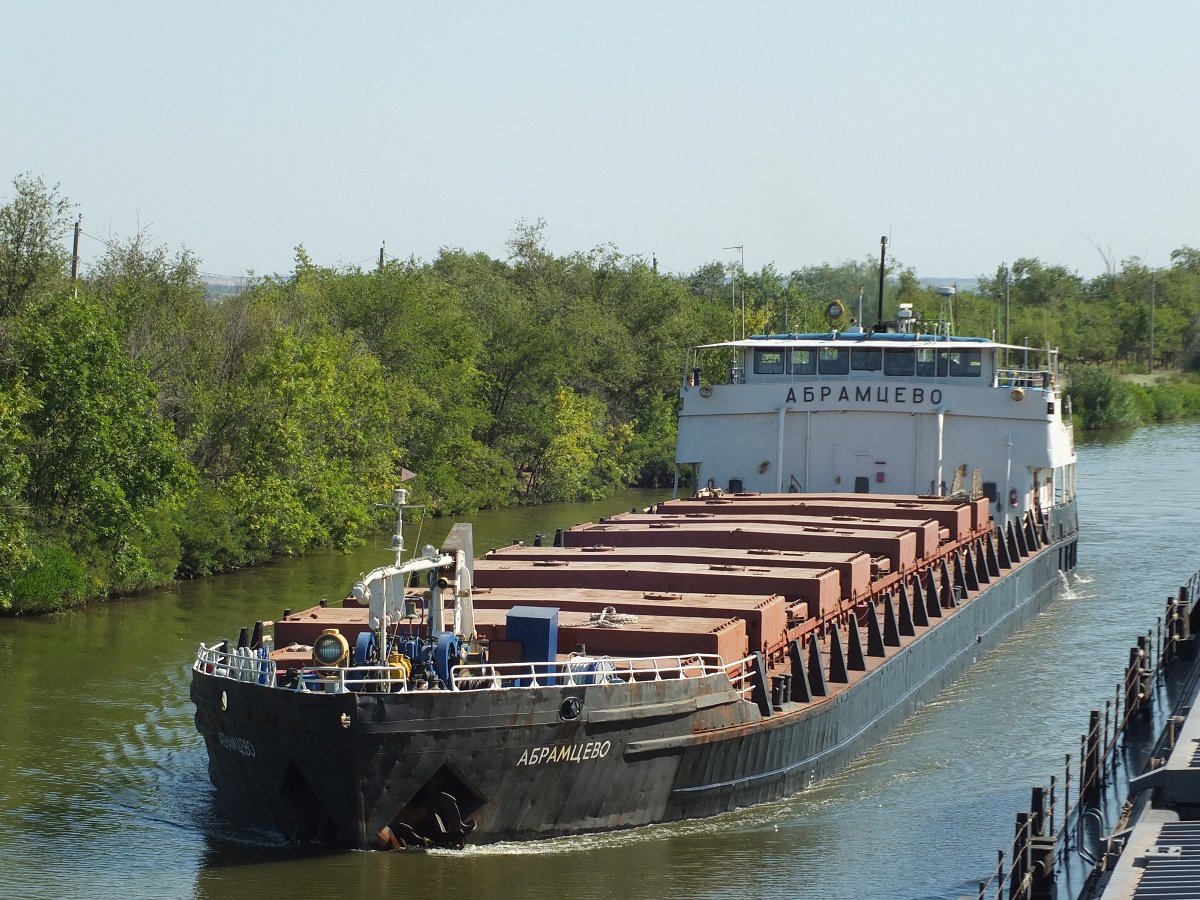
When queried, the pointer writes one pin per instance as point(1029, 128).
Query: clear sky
point(971, 133)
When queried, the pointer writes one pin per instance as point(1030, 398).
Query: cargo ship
point(857, 518)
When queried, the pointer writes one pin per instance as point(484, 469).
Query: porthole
point(570, 709)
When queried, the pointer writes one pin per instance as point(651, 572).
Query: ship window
point(865, 360)
point(965, 363)
point(927, 363)
point(834, 361)
point(804, 362)
point(768, 362)
point(931, 363)
point(899, 362)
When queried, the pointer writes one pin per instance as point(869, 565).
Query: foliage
point(53, 579)
point(147, 432)
point(1100, 398)
point(31, 226)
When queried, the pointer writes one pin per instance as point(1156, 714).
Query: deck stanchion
point(982, 575)
point(1091, 764)
point(838, 673)
point(997, 554)
point(855, 659)
point(816, 671)
point(801, 692)
point(891, 626)
point(933, 601)
point(874, 633)
point(908, 619)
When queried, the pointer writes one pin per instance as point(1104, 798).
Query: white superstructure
point(888, 413)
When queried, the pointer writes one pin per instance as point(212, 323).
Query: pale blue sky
point(973, 134)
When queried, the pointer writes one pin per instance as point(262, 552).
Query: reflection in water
point(104, 788)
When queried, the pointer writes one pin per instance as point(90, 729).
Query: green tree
point(32, 225)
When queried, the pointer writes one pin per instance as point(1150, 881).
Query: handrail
point(582, 670)
point(247, 666)
point(1099, 754)
point(1026, 378)
point(240, 664)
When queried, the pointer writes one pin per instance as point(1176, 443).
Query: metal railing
point(1024, 378)
point(584, 670)
point(248, 666)
point(1039, 848)
point(241, 664)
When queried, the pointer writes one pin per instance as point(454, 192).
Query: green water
point(104, 790)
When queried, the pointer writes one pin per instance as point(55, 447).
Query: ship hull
point(376, 770)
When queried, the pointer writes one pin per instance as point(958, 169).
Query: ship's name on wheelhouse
point(864, 393)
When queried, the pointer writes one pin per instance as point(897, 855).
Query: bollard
point(777, 692)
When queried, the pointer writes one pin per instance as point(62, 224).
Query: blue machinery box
point(536, 628)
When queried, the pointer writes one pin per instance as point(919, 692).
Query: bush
point(54, 580)
point(1102, 399)
point(1168, 402)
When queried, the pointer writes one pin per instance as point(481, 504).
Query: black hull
point(504, 765)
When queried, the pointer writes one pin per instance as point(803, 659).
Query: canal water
point(104, 791)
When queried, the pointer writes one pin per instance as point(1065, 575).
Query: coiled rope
point(610, 618)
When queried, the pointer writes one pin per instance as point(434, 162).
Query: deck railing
point(1061, 821)
point(240, 664)
point(1024, 378)
point(247, 666)
point(582, 671)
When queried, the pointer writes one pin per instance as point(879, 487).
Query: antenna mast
point(882, 257)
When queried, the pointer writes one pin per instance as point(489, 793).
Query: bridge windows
point(804, 361)
point(834, 361)
point(867, 359)
point(900, 362)
point(768, 362)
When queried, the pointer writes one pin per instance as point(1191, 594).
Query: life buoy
point(1012, 497)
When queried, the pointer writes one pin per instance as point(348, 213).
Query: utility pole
point(75, 249)
point(1152, 276)
point(381, 247)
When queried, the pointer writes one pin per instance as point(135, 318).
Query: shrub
point(54, 580)
point(1101, 398)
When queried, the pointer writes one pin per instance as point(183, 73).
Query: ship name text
point(565, 753)
point(236, 744)
point(864, 394)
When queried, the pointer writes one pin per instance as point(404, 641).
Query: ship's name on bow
point(565, 753)
point(236, 744)
point(865, 393)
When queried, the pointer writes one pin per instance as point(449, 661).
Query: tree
point(100, 457)
point(32, 224)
